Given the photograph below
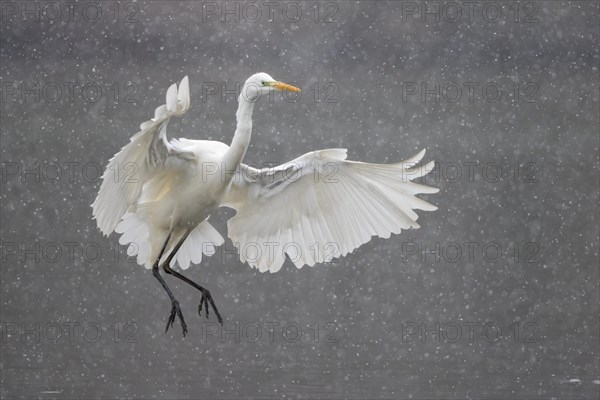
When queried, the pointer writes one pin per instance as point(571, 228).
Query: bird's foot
point(176, 310)
point(206, 298)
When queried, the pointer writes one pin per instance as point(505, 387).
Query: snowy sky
point(495, 296)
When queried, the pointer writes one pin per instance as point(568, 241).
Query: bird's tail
point(146, 242)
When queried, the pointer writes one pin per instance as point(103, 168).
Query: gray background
point(544, 220)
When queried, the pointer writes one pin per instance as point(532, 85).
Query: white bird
point(315, 208)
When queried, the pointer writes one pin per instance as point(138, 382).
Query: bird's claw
point(203, 304)
point(206, 297)
point(176, 310)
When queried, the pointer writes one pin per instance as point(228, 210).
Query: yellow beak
point(284, 86)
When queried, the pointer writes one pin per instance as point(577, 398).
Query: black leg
point(175, 309)
point(206, 296)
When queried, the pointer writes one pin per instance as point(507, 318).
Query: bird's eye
point(264, 83)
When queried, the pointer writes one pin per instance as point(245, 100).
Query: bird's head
point(261, 83)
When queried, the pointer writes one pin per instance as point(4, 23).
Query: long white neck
point(243, 133)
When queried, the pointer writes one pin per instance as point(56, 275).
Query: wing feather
point(133, 165)
point(301, 211)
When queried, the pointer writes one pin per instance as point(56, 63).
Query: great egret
point(312, 209)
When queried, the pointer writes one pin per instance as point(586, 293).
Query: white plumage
point(312, 209)
point(320, 206)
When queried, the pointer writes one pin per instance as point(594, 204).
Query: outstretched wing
point(131, 167)
point(320, 206)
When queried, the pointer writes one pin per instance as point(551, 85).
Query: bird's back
point(204, 150)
